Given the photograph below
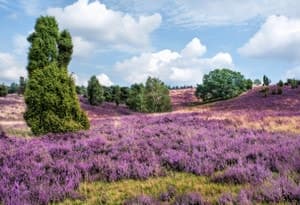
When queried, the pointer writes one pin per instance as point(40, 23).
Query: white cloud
point(191, 13)
point(10, 68)
point(193, 49)
point(82, 48)
point(96, 24)
point(173, 67)
point(293, 73)
point(278, 37)
point(104, 80)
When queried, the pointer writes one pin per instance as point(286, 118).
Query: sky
point(125, 41)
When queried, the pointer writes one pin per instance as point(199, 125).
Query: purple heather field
point(250, 140)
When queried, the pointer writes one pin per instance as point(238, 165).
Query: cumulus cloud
point(82, 48)
point(184, 67)
point(278, 37)
point(93, 22)
point(104, 80)
point(10, 68)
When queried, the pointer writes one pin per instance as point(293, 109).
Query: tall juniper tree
point(50, 95)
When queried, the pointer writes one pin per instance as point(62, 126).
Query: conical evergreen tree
point(50, 95)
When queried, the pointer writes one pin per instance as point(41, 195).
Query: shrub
point(279, 90)
point(13, 88)
point(222, 84)
point(294, 83)
point(157, 96)
point(95, 91)
point(50, 95)
point(266, 81)
point(52, 104)
point(169, 194)
point(3, 90)
point(280, 83)
point(116, 94)
point(257, 82)
point(154, 97)
point(191, 198)
point(226, 199)
point(141, 200)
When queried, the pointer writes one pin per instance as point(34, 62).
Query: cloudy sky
point(124, 41)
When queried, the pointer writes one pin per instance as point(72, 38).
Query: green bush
point(157, 96)
point(3, 90)
point(95, 91)
point(222, 84)
point(280, 83)
point(50, 94)
point(257, 82)
point(52, 104)
point(266, 81)
point(136, 98)
point(154, 97)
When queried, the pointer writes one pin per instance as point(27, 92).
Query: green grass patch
point(116, 192)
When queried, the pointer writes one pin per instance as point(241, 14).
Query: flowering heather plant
point(50, 168)
point(226, 199)
point(141, 200)
point(191, 198)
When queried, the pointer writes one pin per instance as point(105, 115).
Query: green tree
point(43, 50)
point(3, 90)
point(13, 88)
point(116, 92)
point(50, 95)
point(124, 94)
point(249, 84)
point(95, 91)
point(157, 96)
point(266, 81)
point(65, 49)
point(136, 98)
point(154, 97)
point(221, 84)
point(108, 94)
point(280, 83)
point(22, 85)
point(257, 82)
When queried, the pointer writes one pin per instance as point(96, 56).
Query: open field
point(244, 150)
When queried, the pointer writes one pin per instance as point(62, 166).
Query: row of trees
point(151, 97)
point(13, 88)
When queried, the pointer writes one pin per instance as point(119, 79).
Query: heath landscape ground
point(241, 151)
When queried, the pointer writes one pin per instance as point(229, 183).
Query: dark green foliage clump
point(136, 98)
point(257, 82)
point(22, 85)
point(280, 83)
point(3, 90)
point(52, 102)
point(157, 96)
point(266, 81)
point(13, 88)
point(50, 94)
point(116, 94)
point(222, 84)
point(249, 84)
point(154, 97)
point(95, 91)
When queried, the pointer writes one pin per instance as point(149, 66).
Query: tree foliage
point(257, 82)
point(266, 81)
point(3, 90)
point(50, 95)
point(222, 84)
point(154, 97)
point(157, 96)
point(116, 94)
point(95, 91)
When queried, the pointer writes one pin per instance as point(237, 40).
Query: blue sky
point(124, 41)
